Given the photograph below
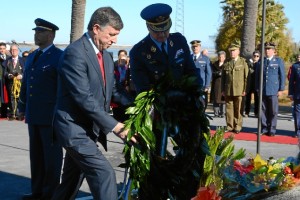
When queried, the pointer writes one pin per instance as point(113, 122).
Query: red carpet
point(280, 139)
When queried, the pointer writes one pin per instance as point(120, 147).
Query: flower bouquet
point(246, 178)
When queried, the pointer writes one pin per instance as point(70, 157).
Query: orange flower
point(207, 193)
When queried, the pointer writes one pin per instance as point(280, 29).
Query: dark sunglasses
point(256, 55)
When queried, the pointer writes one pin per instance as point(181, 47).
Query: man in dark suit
point(13, 75)
point(37, 101)
point(273, 85)
point(85, 88)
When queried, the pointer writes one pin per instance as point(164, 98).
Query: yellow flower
point(259, 162)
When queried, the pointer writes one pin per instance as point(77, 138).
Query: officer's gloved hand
point(176, 97)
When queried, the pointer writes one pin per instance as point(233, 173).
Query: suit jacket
point(273, 76)
point(294, 82)
point(39, 86)
point(83, 99)
point(10, 70)
point(149, 65)
point(234, 77)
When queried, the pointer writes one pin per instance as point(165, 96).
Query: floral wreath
point(173, 108)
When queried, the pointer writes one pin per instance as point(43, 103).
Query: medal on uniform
point(148, 56)
point(153, 49)
point(171, 43)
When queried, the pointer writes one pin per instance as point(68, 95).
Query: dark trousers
point(45, 160)
point(87, 161)
point(269, 114)
point(219, 109)
point(248, 102)
point(296, 115)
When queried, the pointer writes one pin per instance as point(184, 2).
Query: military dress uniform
point(149, 65)
point(151, 60)
point(203, 65)
point(294, 92)
point(37, 100)
point(234, 83)
point(273, 82)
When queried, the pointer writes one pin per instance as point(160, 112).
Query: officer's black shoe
point(270, 134)
point(31, 197)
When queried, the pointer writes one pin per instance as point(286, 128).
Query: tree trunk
point(77, 19)
point(249, 28)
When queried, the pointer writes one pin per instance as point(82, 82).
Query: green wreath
point(174, 107)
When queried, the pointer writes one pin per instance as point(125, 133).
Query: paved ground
point(14, 155)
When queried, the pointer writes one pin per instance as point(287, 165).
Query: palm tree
point(249, 28)
point(77, 19)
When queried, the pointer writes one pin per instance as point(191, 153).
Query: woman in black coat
point(216, 94)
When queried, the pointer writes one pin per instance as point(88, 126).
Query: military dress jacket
point(149, 65)
point(234, 77)
point(273, 76)
point(204, 66)
point(294, 82)
point(39, 86)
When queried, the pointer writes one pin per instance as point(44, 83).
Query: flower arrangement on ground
point(255, 176)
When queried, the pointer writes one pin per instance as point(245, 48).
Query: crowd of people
point(66, 96)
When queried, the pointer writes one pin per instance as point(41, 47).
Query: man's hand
point(122, 133)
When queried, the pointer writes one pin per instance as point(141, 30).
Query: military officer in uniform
point(234, 82)
point(37, 100)
point(273, 85)
point(159, 51)
point(151, 59)
point(294, 93)
point(202, 62)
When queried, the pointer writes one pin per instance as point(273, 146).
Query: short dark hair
point(105, 16)
point(256, 52)
point(2, 44)
point(122, 51)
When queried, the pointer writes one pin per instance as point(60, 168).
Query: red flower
point(287, 170)
point(207, 193)
point(242, 169)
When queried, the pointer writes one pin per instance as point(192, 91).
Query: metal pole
point(261, 75)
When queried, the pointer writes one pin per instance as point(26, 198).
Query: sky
point(201, 18)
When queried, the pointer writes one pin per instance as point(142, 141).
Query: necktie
point(195, 58)
point(100, 60)
point(163, 50)
point(37, 55)
point(14, 62)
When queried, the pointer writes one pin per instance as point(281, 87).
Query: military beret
point(270, 45)
point(43, 25)
point(234, 45)
point(195, 43)
point(157, 17)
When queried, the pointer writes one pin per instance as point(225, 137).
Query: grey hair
point(221, 53)
point(105, 16)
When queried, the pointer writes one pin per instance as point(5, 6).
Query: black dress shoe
point(32, 197)
point(271, 134)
